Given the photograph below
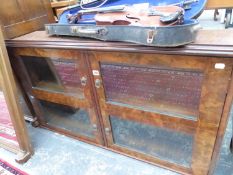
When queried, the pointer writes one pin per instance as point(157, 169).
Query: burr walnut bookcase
point(165, 106)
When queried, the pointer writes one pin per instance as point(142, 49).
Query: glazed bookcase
point(165, 106)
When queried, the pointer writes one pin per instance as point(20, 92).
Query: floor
point(206, 20)
point(59, 155)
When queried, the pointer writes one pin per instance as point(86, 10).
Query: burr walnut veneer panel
point(59, 87)
point(170, 96)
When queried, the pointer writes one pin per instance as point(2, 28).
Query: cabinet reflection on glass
point(162, 143)
point(54, 74)
point(74, 120)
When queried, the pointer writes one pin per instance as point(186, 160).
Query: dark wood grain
point(59, 98)
point(222, 126)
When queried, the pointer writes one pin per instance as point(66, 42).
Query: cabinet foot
point(35, 123)
point(23, 157)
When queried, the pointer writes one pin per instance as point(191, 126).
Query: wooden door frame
point(59, 98)
point(9, 89)
point(204, 120)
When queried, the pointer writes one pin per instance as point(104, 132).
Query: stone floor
point(207, 20)
point(56, 154)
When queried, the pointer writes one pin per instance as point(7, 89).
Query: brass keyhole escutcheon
point(97, 83)
point(84, 81)
point(107, 130)
point(94, 126)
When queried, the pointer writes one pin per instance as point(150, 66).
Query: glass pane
point(173, 92)
point(159, 142)
point(75, 120)
point(54, 74)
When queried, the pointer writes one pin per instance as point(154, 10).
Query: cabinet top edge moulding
point(208, 43)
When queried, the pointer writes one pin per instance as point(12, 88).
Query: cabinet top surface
point(208, 42)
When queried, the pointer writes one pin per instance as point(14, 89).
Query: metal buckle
point(150, 36)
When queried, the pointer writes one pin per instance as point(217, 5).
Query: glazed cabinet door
point(163, 109)
point(59, 88)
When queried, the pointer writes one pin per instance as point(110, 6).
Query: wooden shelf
point(59, 11)
point(58, 4)
point(216, 4)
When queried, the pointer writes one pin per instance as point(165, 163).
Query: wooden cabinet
point(59, 87)
point(164, 106)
